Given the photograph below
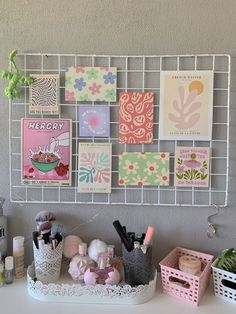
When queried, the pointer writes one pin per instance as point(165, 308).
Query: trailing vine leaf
point(204, 164)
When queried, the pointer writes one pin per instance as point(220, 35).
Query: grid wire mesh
point(134, 73)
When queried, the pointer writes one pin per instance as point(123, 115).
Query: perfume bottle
point(103, 274)
point(114, 261)
point(80, 263)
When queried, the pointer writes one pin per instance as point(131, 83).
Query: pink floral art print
point(191, 166)
point(186, 105)
point(46, 151)
point(94, 173)
point(136, 118)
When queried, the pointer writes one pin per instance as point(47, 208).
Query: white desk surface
point(14, 298)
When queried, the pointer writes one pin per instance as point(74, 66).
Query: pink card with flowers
point(191, 166)
point(46, 151)
point(136, 117)
point(90, 84)
point(94, 173)
point(186, 105)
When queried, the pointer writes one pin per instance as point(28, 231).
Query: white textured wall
point(121, 27)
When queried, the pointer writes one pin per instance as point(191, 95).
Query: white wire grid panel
point(134, 73)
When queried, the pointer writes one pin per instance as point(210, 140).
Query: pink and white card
point(46, 151)
point(44, 94)
point(136, 117)
point(186, 105)
point(94, 173)
point(94, 121)
point(191, 166)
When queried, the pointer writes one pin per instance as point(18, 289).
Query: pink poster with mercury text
point(46, 151)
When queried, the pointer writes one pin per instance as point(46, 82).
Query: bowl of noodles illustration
point(44, 161)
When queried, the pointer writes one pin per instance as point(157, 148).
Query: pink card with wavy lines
point(186, 105)
point(136, 117)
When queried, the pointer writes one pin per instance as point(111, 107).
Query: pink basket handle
point(176, 282)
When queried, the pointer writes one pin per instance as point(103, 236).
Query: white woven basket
point(224, 283)
point(48, 263)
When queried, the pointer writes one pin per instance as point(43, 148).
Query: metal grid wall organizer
point(135, 73)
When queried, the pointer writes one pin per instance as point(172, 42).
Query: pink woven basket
point(184, 286)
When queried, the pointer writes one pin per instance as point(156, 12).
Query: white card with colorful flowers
point(90, 84)
point(191, 166)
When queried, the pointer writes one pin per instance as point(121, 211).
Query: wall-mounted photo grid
point(133, 130)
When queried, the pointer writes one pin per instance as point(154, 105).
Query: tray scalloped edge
point(100, 294)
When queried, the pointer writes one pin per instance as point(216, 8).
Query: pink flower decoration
point(79, 69)
point(70, 96)
point(95, 88)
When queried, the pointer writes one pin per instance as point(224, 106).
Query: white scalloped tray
point(65, 290)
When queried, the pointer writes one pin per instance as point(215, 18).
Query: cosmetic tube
point(9, 269)
point(18, 253)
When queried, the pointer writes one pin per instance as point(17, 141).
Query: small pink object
point(149, 235)
point(90, 277)
point(113, 277)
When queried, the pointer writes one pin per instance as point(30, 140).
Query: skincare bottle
point(9, 269)
point(18, 253)
point(3, 230)
point(80, 263)
point(1, 271)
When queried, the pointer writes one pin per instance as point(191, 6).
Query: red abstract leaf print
point(136, 117)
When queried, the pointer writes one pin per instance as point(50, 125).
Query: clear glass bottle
point(9, 269)
point(1, 271)
point(3, 230)
point(80, 263)
point(114, 261)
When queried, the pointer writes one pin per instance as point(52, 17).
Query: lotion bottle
point(18, 254)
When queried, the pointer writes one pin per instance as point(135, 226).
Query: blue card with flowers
point(90, 83)
point(191, 166)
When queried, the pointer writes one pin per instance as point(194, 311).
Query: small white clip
point(211, 229)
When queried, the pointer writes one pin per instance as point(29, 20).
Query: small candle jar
point(190, 264)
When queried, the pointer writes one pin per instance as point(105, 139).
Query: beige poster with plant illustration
point(186, 105)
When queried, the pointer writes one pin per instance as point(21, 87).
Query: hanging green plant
point(13, 90)
point(227, 260)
